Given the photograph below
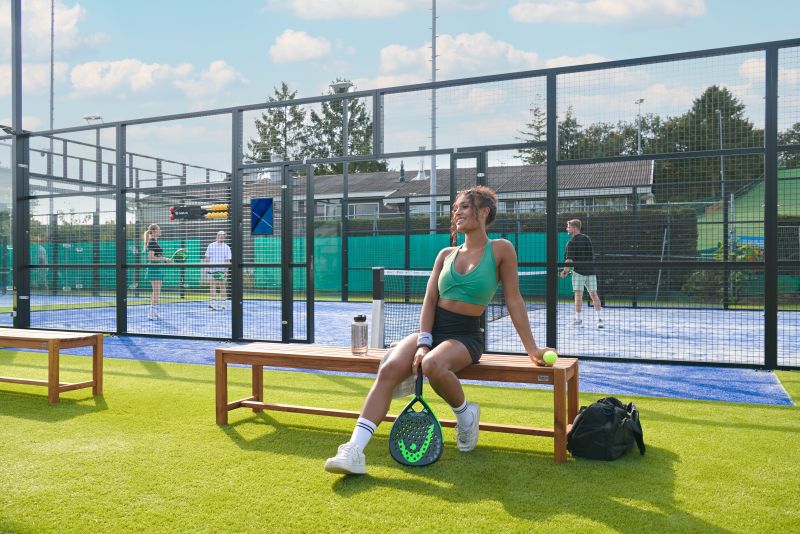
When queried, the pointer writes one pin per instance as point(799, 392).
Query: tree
point(790, 136)
point(569, 132)
point(699, 129)
point(281, 131)
point(325, 135)
point(536, 132)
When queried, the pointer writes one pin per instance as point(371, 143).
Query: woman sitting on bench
point(463, 281)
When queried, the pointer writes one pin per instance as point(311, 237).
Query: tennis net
point(398, 295)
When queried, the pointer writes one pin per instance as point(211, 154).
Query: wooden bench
point(53, 342)
point(563, 376)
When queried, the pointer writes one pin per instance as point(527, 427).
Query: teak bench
point(53, 342)
point(563, 376)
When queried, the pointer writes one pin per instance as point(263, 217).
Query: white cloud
point(466, 54)
point(292, 47)
point(36, 29)
point(566, 61)
point(331, 9)
point(213, 80)
point(123, 75)
point(606, 11)
point(35, 77)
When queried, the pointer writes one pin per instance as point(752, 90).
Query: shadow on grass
point(36, 408)
point(634, 494)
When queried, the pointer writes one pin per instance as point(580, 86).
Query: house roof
point(505, 179)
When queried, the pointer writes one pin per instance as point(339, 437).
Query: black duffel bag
point(605, 430)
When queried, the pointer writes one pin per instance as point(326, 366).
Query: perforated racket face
point(180, 255)
point(416, 436)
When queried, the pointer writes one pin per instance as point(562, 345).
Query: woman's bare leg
point(394, 371)
point(441, 365)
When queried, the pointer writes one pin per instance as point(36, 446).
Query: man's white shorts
point(579, 281)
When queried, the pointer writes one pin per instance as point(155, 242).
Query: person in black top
point(579, 250)
point(156, 276)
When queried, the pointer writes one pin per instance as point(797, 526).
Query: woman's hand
point(417, 361)
point(536, 356)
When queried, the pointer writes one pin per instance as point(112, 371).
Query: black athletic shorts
point(464, 328)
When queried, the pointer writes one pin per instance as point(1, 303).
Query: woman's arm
point(509, 277)
point(429, 305)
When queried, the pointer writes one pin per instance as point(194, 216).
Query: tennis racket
point(180, 255)
point(217, 275)
point(416, 436)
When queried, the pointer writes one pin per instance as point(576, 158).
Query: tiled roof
point(502, 179)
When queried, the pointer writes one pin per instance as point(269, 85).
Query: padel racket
point(217, 275)
point(416, 436)
point(180, 255)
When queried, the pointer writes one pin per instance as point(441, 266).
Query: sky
point(125, 60)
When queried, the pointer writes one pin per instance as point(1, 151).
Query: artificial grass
point(147, 456)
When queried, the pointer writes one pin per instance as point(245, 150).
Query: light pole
point(98, 174)
point(638, 102)
point(725, 217)
point(341, 87)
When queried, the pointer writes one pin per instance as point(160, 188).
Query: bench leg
point(97, 365)
point(221, 382)
point(52, 371)
point(560, 415)
point(572, 397)
point(258, 385)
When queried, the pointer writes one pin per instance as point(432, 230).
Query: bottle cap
point(361, 318)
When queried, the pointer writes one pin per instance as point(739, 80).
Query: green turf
point(147, 456)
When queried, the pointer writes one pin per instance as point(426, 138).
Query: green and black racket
point(416, 436)
point(180, 255)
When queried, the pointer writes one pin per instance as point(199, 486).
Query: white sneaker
point(152, 315)
point(223, 308)
point(211, 305)
point(578, 322)
point(467, 438)
point(600, 324)
point(348, 461)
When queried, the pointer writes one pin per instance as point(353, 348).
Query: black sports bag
point(605, 430)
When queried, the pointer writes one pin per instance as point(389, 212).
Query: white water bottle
point(359, 335)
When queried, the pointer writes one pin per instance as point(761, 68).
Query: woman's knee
point(393, 372)
point(434, 368)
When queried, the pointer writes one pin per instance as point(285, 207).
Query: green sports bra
point(478, 286)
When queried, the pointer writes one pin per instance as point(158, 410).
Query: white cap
point(221, 232)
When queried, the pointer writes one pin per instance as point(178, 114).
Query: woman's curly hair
point(478, 197)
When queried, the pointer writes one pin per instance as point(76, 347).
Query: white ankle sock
point(464, 417)
point(362, 433)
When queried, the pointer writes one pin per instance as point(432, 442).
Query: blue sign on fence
point(261, 216)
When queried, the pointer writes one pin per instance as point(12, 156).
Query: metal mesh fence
point(666, 162)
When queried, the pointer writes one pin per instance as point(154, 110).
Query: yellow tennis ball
point(550, 357)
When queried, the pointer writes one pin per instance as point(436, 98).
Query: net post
point(377, 336)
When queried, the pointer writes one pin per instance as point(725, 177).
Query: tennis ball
point(550, 357)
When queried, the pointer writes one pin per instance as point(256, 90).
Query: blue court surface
point(701, 335)
point(617, 378)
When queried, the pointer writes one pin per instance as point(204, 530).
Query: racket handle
point(418, 388)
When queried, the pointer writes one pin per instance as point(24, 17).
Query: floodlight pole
point(342, 87)
point(638, 102)
point(725, 218)
point(433, 183)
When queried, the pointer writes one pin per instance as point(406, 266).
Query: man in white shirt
point(218, 252)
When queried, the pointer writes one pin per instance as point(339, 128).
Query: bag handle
point(635, 426)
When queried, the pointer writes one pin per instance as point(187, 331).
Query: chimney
point(402, 173)
point(421, 173)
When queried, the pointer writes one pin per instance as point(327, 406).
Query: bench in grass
point(53, 341)
point(563, 376)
